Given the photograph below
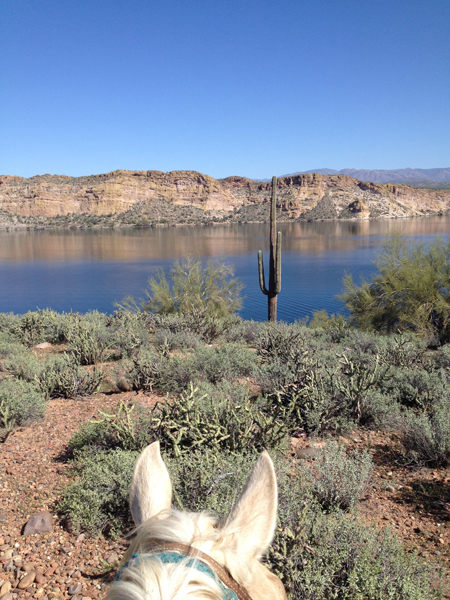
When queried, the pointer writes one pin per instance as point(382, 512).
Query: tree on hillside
point(410, 291)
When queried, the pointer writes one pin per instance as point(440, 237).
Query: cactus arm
point(278, 265)
point(262, 283)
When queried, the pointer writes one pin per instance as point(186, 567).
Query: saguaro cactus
point(275, 259)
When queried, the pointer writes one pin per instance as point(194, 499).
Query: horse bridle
point(174, 552)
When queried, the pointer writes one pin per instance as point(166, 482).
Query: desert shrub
point(440, 359)
point(415, 388)
point(410, 292)
point(335, 328)
point(9, 347)
point(127, 332)
point(21, 403)
point(8, 324)
point(98, 500)
point(152, 369)
point(360, 343)
point(220, 418)
point(129, 428)
point(322, 320)
point(165, 340)
point(426, 436)
point(147, 370)
point(277, 374)
point(29, 328)
point(44, 326)
point(206, 296)
point(337, 479)
point(317, 555)
point(227, 361)
point(379, 411)
point(62, 377)
point(90, 342)
point(243, 331)
point(199, 322)
point(195, 420)
point(21, 363)
point(193, 285)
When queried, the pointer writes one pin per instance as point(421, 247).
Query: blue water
point(86, 270)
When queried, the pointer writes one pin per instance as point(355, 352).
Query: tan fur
point(237, 542)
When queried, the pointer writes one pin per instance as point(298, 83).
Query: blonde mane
point(226, 541)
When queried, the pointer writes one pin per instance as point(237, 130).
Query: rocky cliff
point(307, 196)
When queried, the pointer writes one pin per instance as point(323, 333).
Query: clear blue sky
point(225, 87)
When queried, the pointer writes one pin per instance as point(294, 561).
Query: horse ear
point(151, 488)
point(251, 523)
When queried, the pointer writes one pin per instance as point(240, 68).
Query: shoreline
point(10, 227)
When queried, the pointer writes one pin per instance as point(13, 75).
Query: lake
point(82, 270)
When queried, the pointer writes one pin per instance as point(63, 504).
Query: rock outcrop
point(308, 196)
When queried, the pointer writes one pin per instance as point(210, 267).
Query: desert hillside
point(307, 196)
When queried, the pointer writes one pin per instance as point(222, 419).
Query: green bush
point(192, 287)
point(220, 418)
point(401, 350)
point(317, 555)
point(8, 325)
point(322, 396)
point(20, 403)
point(214, 421)
point(227, 361)
point(98, 500)
point(337, 479)
point(281, 340)
point(21, 363)
point(166, 340)
point(8, 346)
point(243, 331)
point(44, 326)
point(426, 436)
point(128, 332)
point(415, 388)
point(129, 428)
point(62, 377)
point(153, 369)
point(90, 343)
point(410, 292)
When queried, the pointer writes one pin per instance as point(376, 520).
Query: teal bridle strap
point(174, 558)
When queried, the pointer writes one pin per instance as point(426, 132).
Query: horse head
point(178, 555)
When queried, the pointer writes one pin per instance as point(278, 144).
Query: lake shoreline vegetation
point(170, 215)
point(308, 392)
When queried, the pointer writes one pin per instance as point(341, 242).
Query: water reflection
point(207, 241)
point(85, 270)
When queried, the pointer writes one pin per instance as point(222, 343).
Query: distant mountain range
point(420, 178)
